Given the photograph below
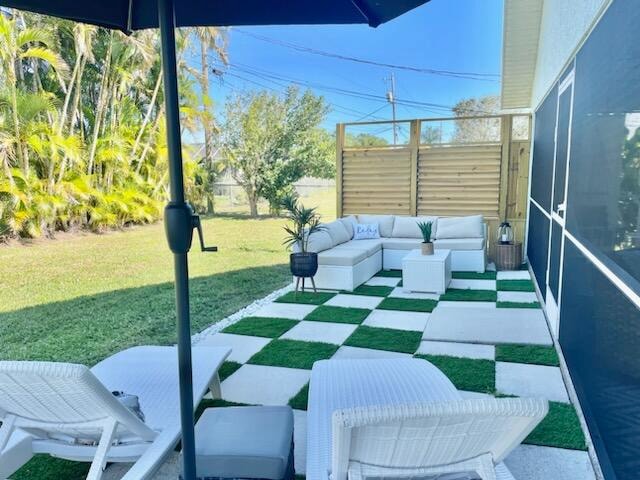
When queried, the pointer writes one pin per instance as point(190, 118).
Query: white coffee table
point(426, 273)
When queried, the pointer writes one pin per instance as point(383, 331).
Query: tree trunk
point(147, 116)
point(101, 107)
point(253, 202)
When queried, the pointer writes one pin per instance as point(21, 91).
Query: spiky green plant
point(305, 222)
point(425, 229)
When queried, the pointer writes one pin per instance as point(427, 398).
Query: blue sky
point(453, 35)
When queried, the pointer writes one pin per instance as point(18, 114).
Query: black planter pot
point(303, 265)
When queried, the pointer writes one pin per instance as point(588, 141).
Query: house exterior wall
point(564, 25)
point(588, 254)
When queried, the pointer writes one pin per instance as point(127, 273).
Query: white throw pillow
point(319, 242)
point(385, 223)
point(337, 231)
point(461, 227)
point(407, 227)
point(366, 231)
point(349, 223)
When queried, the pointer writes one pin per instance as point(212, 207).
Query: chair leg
point(314, 285)
point(297, 283)
point(215, 388)
point(303, 284)
point(100, 460)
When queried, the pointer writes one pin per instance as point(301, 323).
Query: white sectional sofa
point(345, 263)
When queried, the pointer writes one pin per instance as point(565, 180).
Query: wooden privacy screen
point(488, 178)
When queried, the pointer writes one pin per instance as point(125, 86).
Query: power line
point(265, 74)
point(492, 77)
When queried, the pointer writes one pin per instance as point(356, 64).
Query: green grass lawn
point(82, 297)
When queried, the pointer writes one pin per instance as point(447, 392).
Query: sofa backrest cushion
point(461, 227)
point(366, 231)
point(385, 223)
point(319, 241)
point(337, 231)
point(349, 223)
point(407, 227)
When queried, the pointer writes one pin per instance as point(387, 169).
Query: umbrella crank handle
point(198, 226)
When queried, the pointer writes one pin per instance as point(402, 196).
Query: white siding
point(564, 25)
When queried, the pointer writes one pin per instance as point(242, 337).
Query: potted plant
point(427, 244)
point(305, 222)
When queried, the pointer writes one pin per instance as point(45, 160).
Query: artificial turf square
point(300, 400)
point(227, 369)
point(469, 295)
point(534, 354)
point(389, 339)
point(389, 273)
point(560, 428)
point(407, 304)
point(372, 290)
point(517, 304)
point(328, 313)
point(306, 298)
point(293, 354)
point(488, 275)
point(215, 403)
point(515, 286)
point(269, 327)
point(474, 375)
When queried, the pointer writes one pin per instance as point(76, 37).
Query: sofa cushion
point(460, 243)
point(337, 231)
point(371, 246)
point(460, 227)
point(341, 256)
point(319, 241)
point(349, 223)
point(407, 227)
point(366, 231)
point(385, 223)
point(401, 243)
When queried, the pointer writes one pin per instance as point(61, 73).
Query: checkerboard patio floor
point(274, 350)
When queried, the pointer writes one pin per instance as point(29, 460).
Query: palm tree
point(17, 45)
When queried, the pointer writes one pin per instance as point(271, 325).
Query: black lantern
point(505, 234)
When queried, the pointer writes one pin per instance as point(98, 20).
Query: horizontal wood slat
point(376, 181)
point(459, 180)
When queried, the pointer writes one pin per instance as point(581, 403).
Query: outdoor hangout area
point(225, 255)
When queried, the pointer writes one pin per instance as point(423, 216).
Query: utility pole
point(391, 98)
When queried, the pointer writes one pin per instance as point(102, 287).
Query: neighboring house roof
point(521, 33)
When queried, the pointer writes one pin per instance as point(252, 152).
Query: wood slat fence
point(443, 179)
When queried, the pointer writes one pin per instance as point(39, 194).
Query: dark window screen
point(600, 335)
point(537, 246)
point(604, 181)
point(543, 148)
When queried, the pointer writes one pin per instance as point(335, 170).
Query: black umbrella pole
point(178, 220)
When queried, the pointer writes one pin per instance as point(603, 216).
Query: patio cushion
point(372, 245)
point(460, 227)
point(407, 227)
point(385, 223)
point(319, 241)
point(337, 231)
point(244, 442)
point(349, 223)
point(342, 256)
point(401, 243)
point(460, 243)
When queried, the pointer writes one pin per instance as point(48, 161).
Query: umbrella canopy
point(130, 15)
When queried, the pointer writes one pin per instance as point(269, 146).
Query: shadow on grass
point(89, 328)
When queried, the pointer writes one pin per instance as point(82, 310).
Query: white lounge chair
point(403, 418)
point(68, 410)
